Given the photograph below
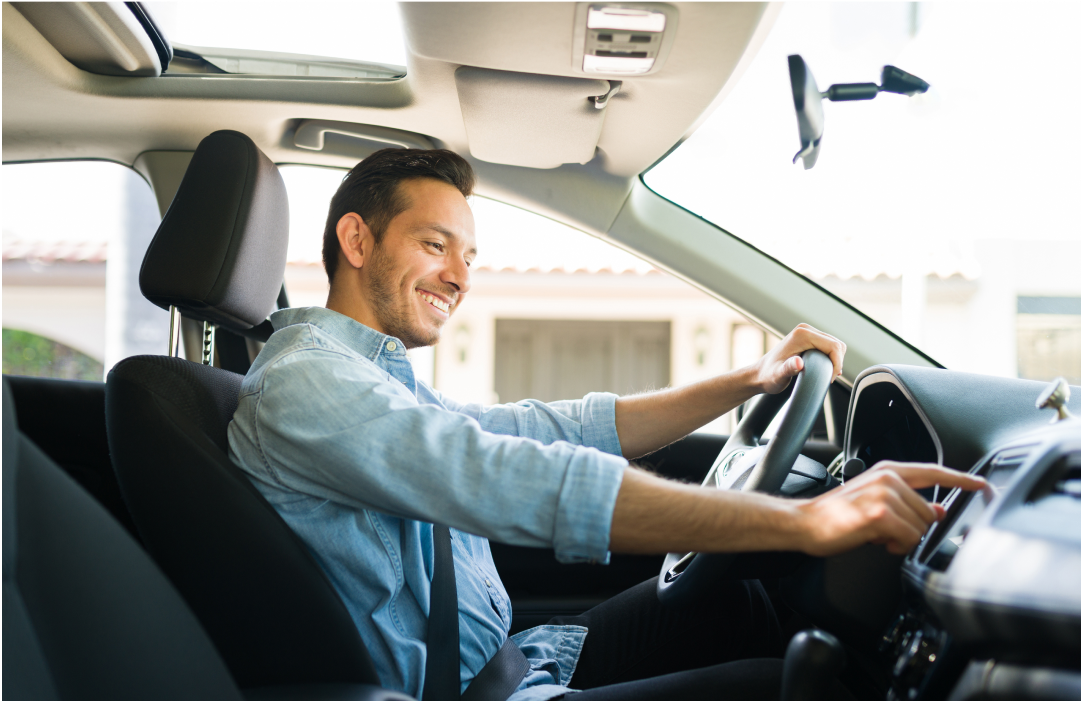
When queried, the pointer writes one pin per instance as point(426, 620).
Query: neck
point(346, 297)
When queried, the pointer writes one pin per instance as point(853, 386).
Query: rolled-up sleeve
point(349, 434)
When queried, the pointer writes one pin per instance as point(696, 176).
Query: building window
point(559, 359)
point(1049, 338)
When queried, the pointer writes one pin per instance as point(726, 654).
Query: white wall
point(74, 316)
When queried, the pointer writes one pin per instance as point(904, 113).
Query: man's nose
point(457, 275)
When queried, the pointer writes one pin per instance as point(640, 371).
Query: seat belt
point(502, 674)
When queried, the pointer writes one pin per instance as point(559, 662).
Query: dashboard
point(992, 594)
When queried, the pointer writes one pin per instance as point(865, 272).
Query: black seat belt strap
point(500, 677)
point(502, 674)
point(442, 678)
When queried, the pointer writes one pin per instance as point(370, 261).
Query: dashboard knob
point(853, 467)
point(1056, 396)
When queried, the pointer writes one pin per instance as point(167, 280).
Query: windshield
point(950, 217)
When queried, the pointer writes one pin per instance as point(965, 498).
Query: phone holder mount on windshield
point(808, 99)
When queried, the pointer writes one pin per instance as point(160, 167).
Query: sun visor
point(101, 37)
point(535, 121)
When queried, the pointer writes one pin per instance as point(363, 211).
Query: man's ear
point(355, 238)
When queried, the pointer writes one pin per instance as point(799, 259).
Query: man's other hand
point(880, 506)
point(777, 367)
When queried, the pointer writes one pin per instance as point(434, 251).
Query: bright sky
point(900, 182)
point(362, 31)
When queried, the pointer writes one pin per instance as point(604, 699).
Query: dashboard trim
point(877, 375)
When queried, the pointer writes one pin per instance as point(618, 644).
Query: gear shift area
point(812, 662)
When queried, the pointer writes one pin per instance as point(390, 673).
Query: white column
point(133, 326)
point(913, 305)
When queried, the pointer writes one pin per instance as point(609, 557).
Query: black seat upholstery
point(87, 615)
point(270, 610)
point(219, 256)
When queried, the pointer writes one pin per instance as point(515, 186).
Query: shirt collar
point(363, 339)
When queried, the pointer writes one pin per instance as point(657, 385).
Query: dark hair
point(371, 190)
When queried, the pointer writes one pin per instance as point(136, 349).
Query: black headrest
point(219, 254)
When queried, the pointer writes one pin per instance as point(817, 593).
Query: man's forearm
point(654, 515)
point(648, 422)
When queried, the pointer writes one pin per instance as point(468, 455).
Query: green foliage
point(27, 353)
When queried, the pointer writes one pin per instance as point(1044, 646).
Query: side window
point(553, 313)
point(74, 237)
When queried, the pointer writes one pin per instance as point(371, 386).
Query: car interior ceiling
point(119, 119)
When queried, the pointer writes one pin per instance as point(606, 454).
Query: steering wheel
point(745, 465)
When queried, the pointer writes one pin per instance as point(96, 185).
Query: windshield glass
point(249, 35)
point(950, 217)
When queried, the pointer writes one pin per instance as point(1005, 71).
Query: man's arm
point(654, 515)
point(648, 422)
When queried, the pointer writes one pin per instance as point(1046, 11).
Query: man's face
point(419, 273)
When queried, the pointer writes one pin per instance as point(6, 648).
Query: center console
point(999, 578)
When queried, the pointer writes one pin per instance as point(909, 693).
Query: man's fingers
point(921, 475)
point(919, 506)
point(914, 517)
point(833, 347)
point(900, 536)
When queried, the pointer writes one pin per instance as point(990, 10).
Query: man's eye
point(436, 245)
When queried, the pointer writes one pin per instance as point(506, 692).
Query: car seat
point(87, 615)
point(219, 256)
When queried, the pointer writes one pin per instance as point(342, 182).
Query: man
point(360, 459)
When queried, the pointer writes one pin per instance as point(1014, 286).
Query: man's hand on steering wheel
point(775, 370)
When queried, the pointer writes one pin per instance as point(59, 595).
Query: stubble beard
point(392, 312)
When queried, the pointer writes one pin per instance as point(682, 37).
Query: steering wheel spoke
point(743, 464)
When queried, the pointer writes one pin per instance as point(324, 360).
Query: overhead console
point(617, 39)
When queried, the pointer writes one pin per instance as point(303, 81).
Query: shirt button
point(392, 346)
point(487, 582)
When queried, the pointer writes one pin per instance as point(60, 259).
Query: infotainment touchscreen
point(962, 512)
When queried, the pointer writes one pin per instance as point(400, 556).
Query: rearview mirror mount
point(808, 100)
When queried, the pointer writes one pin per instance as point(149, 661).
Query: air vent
point(1012, 457)
point(1062, 481)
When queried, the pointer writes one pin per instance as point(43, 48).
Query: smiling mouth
point(435, 301)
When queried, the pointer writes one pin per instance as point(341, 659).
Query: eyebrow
point(446, 232)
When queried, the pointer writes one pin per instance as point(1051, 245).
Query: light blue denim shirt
point(360, 459)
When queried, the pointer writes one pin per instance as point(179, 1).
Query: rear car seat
point(87, 615)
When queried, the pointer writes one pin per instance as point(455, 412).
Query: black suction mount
point(808, 100)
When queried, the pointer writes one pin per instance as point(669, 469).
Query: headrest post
point(174, 332)
point(208, 343)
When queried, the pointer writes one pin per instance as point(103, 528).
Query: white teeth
point(436, 302)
